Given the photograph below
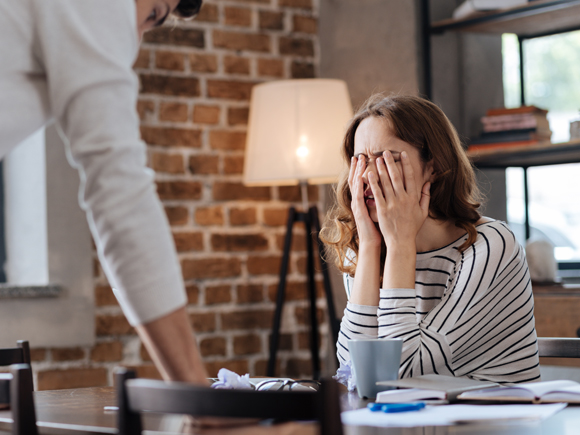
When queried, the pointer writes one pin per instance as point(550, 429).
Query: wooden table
point(81, 412)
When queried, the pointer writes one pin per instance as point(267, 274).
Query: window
point(551, 81)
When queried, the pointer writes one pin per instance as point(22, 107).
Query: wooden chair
point(15, 355)
point(22, 400)
point(135, 396)
point(559, 347)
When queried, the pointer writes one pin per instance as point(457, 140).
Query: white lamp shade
point(295, 132)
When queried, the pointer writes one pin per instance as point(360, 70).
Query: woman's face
point(374, 136)
point(152, 13)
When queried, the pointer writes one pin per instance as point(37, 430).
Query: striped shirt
point(470, 314)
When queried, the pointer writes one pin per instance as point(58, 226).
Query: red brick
point(145, 109)
point(177, 215)
point(238, 115)
point(238, 242)
point(206, 114)
point(204, 164)
point(298, 241)
point(169, 60)
point(241, 41)
point(302, 4)
point(296, 46)
point(171, 35)
point(250, 293)
point(104, 296)
point(37, 355)
point(208, 13)
point(107, 351)
point(224, 191)
point(302, 315)
point(237, 65)
point(113, 324)
point(179, 189)
point(68, 354)
point(219, 294)
point(71, 378)
point(209, 215)
point(275, 217)
point(242, 216)
point(171, 137)
point(247, 319)
point(266, 2)
point(247, 344)
point(229, 89)
point(203, 322)
point(227, 140)
point(237, 16)
point(185, 242)
point(302, 70)
point(294, 291)
point(304, 340)
point(261, 366)
point(168, 163)
point(284, 341)
point(147, 371)
point(192, 294)
point(173, 112)
point(233, 165)
point(169, 85)
point(237, 366)
point(271, 20)
point(271, 67)
point(142, 59)
point(217, 267)
point(213, 346)
point(293, 193)
point(304, 24)
point(202, 62)
point(258, 265)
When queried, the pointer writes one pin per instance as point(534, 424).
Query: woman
point(71, 61)
point(419, 261)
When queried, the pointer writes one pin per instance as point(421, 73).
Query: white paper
point(450, 414)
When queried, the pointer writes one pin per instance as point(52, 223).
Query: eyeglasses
point(288, 385)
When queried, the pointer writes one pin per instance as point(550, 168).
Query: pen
point(396, 407)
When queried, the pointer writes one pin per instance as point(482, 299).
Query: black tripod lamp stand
point(294, 137)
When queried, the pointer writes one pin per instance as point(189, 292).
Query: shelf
point(538, 155)
point(537, 18)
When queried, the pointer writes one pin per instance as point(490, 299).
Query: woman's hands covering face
point(400, 212)
point(367, 231)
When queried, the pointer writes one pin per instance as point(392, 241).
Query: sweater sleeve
point(87, 49)
point(358, 322)
point(483, 322)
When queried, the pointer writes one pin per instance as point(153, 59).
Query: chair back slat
point(22, 401)
point(9, 356)
point(557, 347)
point(147, 395)
point(180, 398)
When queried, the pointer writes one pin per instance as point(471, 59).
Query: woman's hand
point(367, 231)
point(400, 212)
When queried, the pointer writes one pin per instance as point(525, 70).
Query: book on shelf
point(533, 392)
point(502, 146)
point(518, 135)
point(496, 111)
point(429, 387)
point(469, 7)
point(515, 122)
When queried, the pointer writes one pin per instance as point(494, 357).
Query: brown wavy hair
point(423, 125)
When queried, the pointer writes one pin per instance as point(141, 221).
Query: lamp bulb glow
point(302, 151)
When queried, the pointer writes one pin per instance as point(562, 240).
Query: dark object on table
point(22, 400)
point(559, 347)
point(135, 396)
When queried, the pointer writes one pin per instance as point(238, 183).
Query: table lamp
point(295, 133)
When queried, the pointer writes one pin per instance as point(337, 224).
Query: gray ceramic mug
point(375, 360)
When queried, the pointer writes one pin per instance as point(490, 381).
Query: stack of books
point(507, 129)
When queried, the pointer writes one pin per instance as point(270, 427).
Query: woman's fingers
point(408, 173)
point(394, 173)
point(377, 193)
point(351, 171)
point(425, 198)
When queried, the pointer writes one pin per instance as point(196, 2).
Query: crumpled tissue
point(345, 375)
point(232, 381)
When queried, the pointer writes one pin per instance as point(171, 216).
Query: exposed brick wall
point(196, 79)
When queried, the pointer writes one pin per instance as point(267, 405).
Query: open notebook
point(429, 387)
point(534, 392)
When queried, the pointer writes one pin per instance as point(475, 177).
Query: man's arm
point(173, 348)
